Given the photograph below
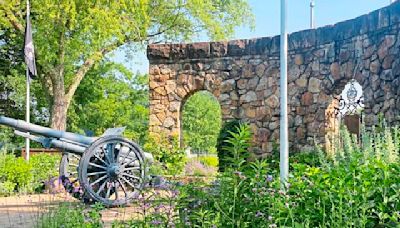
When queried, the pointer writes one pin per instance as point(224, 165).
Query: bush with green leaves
point(225, 133)
point(168, 155)
point(43, 168)
point(14, 174)
point(18, 175)
point(209, 160)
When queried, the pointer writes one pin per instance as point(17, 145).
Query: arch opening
point(200, 122)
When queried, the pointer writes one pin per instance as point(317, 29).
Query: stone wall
point(244, 76)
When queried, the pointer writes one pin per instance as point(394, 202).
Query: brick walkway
point(23, 211)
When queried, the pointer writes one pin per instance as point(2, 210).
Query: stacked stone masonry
point(244, 77)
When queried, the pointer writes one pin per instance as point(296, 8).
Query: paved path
point(23, 211)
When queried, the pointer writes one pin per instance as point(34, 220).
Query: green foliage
point(238, 144)
point(17, 175)
point(357, 189)
point(224, 153)
point(14, 171)
point(154, 208)
point(380, 142)
point(12, 85)
point(111, 96)
point(209, 160)
point(70, 216)
point(201, 122)
point(166, 151)
point(43, 168)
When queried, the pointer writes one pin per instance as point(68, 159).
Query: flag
point(29, 50)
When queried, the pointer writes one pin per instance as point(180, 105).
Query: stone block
point(198, 50)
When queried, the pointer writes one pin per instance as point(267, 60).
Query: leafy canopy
point(82, 29)
point(111, 96)
point(73, 36)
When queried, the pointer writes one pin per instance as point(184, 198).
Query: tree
point(111, 96)
point(201, 121)
point(72, 36)
point(12, 89)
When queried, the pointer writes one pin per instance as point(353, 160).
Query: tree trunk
point(59, 106)
point(59, 112)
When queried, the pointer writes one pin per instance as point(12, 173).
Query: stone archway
point(169, 90)
point(244, 77)
point(197, 109)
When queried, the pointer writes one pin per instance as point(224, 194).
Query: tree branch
point(84, 68)
point(14, 22)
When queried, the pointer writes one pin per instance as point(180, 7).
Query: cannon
point(108, 169)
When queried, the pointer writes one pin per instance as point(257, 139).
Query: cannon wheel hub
point(112, 171)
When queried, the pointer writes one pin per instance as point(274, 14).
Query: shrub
point(14, 172)
point(209, 160)
point(43, 168)
point(225, 133)
point(166, 151)
point(18, 175)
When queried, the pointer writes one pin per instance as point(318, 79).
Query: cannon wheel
point(112, 170)
point(69, 174)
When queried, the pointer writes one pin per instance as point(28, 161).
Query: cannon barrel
point(48, 142)
point(44, 131)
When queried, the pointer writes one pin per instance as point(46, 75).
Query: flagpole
point(284, 142)
point(28, 100)
point(312, 5)
point(27, 141)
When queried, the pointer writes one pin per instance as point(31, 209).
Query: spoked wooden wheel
point(69, 174)
point(112, 170)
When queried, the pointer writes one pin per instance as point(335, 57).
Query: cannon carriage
point(108, 169)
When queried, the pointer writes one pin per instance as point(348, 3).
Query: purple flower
point(269, 178)
point(76, 190)
point(146, 206)
point(175, 193)
point(259, 214)
point(156, 222)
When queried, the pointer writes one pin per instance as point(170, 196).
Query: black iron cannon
point(108, 169)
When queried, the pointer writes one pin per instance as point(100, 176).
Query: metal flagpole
point(284, 147)
point(312, 5)
point(28, 103)
point(27, 142)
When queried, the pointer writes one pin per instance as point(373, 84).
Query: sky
point(267, 15)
